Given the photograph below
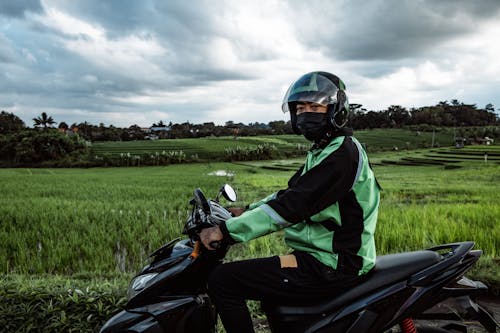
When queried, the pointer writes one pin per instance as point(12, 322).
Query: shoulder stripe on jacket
point(360, 162)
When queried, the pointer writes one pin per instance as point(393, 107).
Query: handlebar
point(205, 214)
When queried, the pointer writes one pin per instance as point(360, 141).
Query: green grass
point(424, 206)
point(107, 220)
point(202, 148)
point(448, 157)
point(102, 220)
point(92, 229)
point(213, 147)
point(387, 139)
point(58, 304)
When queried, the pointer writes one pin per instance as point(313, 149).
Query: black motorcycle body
point(170, 295)
point(177, 300)
point(400, 288)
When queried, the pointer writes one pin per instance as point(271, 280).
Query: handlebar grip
point(215, 244)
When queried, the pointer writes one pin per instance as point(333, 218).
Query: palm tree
point(44, 121)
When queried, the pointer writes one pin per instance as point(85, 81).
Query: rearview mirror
point(228, 192)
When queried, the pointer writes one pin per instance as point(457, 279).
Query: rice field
point(213, 147)
point(105, 221)
point(197, 148)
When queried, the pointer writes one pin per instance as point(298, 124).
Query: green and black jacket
point(329, 209)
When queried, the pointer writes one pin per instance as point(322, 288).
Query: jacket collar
point(345, 131)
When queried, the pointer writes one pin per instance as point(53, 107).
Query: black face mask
point(313, 125)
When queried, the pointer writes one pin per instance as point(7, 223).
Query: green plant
point(56, 305)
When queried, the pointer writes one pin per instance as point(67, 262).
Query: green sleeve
point(261, 202)
point(255, 223)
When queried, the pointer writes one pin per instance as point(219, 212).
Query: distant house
point(156, 129)
point(460, 142)
point(483, 141)
point(487, 141)
point(157, 132)
point(160, 129)
point(68, 131)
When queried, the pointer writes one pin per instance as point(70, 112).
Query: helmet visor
point(313, 88)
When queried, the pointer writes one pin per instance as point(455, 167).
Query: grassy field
point(70, 239)
point(214, 147)
point(201, 148)
point(106, 221)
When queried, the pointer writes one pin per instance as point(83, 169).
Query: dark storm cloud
point(377, 30)
point(17, 8)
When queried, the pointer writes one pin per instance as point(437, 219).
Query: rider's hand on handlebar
point(210, 235)
point(236, 211)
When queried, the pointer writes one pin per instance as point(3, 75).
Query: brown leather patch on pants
point(288, 261)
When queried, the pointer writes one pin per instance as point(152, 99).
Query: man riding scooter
point(328, 213)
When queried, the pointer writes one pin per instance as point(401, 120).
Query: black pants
point(263, 279)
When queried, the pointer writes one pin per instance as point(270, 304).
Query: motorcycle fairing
point(193, 313)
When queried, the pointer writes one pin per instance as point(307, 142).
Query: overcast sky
point(125, 62)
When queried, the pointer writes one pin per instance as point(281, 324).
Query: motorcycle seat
point(388, 269)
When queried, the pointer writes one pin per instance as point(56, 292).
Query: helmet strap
point(332, 111)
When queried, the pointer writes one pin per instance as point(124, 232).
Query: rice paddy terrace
point(449, 158)
point(201, 148)
point(384, 146)
point(213, 148)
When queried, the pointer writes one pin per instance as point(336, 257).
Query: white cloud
point(261, 32)
point(68, 24)
point(130, 56)
point(431, 75)
point(460, 69)
point(141, 62)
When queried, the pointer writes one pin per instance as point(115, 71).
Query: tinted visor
point(313, 88)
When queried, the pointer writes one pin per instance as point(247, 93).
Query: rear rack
point(456, 255)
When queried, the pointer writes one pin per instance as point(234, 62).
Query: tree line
point(45, 142)
point(444, 114)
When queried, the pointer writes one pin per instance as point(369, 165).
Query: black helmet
point(322, 88)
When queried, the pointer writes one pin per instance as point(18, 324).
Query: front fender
point(125, 321)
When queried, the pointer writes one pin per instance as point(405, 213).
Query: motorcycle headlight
point(139, 283)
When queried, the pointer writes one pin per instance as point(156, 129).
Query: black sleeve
point(292, 180)
point(296, 176)
point(319, 187)
point(225, 233)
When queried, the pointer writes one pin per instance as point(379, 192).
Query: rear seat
point(388, 269)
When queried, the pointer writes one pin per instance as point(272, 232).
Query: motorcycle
point(170, 293)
